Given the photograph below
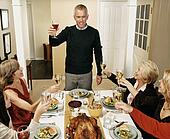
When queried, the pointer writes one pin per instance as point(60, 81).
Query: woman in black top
point(140, 92)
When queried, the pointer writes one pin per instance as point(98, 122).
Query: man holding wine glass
point(81, 40)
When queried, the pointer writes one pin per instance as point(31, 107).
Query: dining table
point(61, 116)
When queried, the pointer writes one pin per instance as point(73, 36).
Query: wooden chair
point(47, 52)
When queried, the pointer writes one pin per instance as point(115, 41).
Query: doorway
point(113, 19)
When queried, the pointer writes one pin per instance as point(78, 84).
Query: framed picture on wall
point(4, 19)
point(7, 43)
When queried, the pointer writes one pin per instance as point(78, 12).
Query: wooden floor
point(40, 85)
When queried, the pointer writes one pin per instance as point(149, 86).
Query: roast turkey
point(83, 127)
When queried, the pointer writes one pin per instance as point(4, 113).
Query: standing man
point(81, 40)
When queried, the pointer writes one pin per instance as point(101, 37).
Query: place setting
point(119, 129)
point(56, 104)
point(47, 131)
point(79, 93)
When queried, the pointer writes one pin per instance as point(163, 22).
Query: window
point(142, 26)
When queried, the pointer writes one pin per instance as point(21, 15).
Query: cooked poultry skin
point(83, 127)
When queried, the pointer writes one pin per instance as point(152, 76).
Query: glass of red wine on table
point(23, 132)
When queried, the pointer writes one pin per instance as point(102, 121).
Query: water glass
point(97, 97)
point(75, 94)
point(75, 112)
point(23, 132)
point(109, 120)
point(45, 97)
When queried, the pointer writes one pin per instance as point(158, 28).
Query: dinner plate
point(107, 105)
point(80, 92)
point(58, 106)
point(114, 133)
point(53, 108)
point(40, 127)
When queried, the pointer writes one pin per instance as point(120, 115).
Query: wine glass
point(103, 66)
point(45, 97)
point(23, 132)
point(119, 75)
point(58, 79)
point(109, 120)
point(97, 97)
point(55, 26)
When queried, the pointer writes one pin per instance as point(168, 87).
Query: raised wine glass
point(119, 75)
point(58, 79)
point(55, 26)
point(103, 66)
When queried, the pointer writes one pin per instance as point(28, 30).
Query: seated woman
point(16, 94)
point(6, 132)
point(156, 128)
point(140, 88)
point(162, 112)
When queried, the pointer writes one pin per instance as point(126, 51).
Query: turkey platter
point(83, 127)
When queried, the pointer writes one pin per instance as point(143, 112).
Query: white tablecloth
point(58, 119)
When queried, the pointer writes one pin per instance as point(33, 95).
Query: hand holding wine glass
point(53, 29)
point(119, 76)
point(58, 79)
point(23, 132)
point(103, 67)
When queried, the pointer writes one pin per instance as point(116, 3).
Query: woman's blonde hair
point(166, 82)
point(150, 71)
point(7, 69)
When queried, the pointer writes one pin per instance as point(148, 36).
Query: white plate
point(47, 125)
point(81, 92)
point(136, 134)
point(110, 106)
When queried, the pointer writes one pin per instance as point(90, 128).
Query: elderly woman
point(16, 94)
point(159, 128)
point(140, 89)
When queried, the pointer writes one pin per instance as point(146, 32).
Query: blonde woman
point(140, 88)
point(158, 127)
point(16, 94)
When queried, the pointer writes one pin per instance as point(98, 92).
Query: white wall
point(160, 37)
point(41, 22)
point(6, 4)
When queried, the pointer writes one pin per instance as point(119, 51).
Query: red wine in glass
point(55, 25)
point(23, 132)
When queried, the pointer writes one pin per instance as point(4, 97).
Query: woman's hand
point(130, 87)
point(107, 72)
point(125, 82)
point(41, 108)
point(121, 105)
point(53, 89)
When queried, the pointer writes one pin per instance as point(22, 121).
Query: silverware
point(47, 116)
point(62, 95)
point(121, 123)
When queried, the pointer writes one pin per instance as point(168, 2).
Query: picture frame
point(4, 19)
point(7, 43)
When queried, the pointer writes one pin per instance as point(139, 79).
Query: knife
point(121, 123)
